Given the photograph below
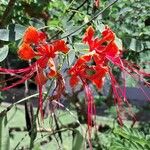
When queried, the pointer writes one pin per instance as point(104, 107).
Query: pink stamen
point(40, 87)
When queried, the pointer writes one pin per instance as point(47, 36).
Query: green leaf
point(78, 141)
point(4, 134)
point(81, 48)
point(119, 43)
point(132, 135)
point(4, 35)
point(13, 33)
point(100, 26)
point(37, 23)
point(3, 52)
point(147, 44)
point(71, 31)
point(125, 10)
point(19, 30)
point(71, 56)
point(37, 147)
point(133, 44)
point(4, 112)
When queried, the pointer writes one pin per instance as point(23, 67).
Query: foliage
point(133, 29)
point(67, 20)
point(106, 138)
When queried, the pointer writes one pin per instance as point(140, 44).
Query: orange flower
point(26, 52)
point(44, 53)
point(94, 73)
point(30, 35)
point(89, 34)
point(61, 46)
point(108, 34)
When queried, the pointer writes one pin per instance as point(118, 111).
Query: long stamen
point(130, 69)
point(90, 106)
point(24, 78)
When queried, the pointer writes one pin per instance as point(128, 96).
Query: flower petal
point(108, 34)
point(112, 49)
point(40, 77)
point(60, 45)
point(30, 35)
point(88, 34)
point(53, 71)
point(26, 52)
point(73, 81)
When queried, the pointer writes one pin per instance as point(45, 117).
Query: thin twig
point(84, 24)
point(77, 9)
point(7, 12)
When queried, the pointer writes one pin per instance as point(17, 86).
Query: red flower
point(102, 52)
point(33, 36)
point(60, 46)
point(89, 34)
point(34, 45)
point(94, 73)
point(30, 35)
point(26, 52)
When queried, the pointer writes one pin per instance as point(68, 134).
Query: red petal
point(108, 34)
point(42, 36)
point(85, 58)
point(26, 52)
point(112, 49)
point(98, 77)
point(30, 35)
point(61, 46)
point(40, 78)
point(88, 34)
point(99, 59)
point(46, 50)
point(42, 62)
point(53, 71)
point(74, 81)
point(99, 82)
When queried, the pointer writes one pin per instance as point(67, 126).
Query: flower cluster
point(91, 67)
point(35, 47)
point(95, 65)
